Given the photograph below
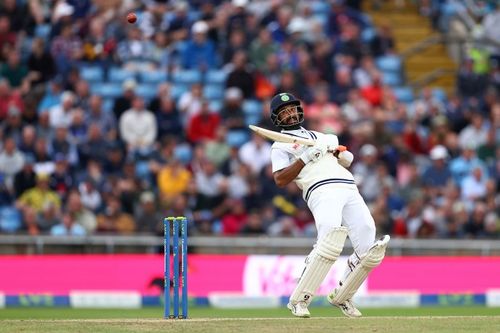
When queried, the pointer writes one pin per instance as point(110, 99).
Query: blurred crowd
point(107, 127)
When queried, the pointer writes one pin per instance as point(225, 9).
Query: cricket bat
point(281, 137)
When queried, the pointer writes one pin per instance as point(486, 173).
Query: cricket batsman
point(334, 200)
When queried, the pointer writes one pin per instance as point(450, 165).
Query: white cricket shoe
point(347, 308)
point(299, 309)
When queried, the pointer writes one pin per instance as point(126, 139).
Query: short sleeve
point(280, 159)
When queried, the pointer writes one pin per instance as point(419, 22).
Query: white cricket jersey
point(326, 171)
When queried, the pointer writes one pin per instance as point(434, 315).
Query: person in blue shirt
point(199, 52)
point(438, 174)
point(67, 227)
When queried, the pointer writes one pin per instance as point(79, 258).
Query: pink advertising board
point(250, 275)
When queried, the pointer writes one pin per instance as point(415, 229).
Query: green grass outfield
point(207, 320)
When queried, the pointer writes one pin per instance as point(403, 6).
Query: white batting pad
point(318, 264)
point(372, 259)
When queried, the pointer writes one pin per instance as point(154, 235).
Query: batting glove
point(346, 158)
point(314, 153)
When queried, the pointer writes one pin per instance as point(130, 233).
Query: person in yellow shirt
point(39, 196)
point(173, 179)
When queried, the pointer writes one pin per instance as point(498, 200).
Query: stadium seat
point(252, 106)
point(391, 79)
point(236, 138)
point(154, 77)
point(216, 76)
point(390, 64)
point(177, 90)
point(107, 104)
point(439, 94)
point(403, 94)
point(146, 91)
point(213, 91)
point(252, 119)
point(10, 219)
point(183, 153)
point(368, 34)
point(107, 90)
point(216, 105)
point(92, 74)
point(186, 76)
point(117, 74)
point(43, 31)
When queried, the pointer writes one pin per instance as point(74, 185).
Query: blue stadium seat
point(216, 105)
point(107, 90)
point(107, 104)
point(391, 79)
point(252, 106)
point(252, 119)
point(10, 219)
point(439, 94)
point(213, 91)
point(216, 76)
point(236, 138)
point(92, 74)
point(186, 76)
point(183, 153)
point(403, 94)
point(146, 91)
point(43, 31)
point(117, 74)
point(368, 34)
point(177, 90)
point(389, 63)
point(154, 77)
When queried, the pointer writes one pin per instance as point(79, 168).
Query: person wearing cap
point(365, 172)
point(147, 217)
point(232, 111)
point(438, 174)
point(39, 196)
point(124, 102)
point(199, 52)
point(61, 115)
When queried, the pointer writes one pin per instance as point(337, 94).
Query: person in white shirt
point(61, 115)
point(138, 127)
point(334, 200)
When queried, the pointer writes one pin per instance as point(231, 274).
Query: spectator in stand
point(261, 48)
point(147, 217)
point(67, 227)
point(235, 219)
point(203, 126)
point(462, 166)
point(256, 153)
point(476, 133)
point(28, 140)
point(168, 117)
point(173, 180)
point(470, 84)
point(218, 150)
point(113, 219)
point(66, 48)
point(190, 103)
point(25, 178)
point(13, 69)
point(438, 174)
point(232, 112)
point(240, 76)
point(383, 42)
point(136, 52)
point(12, 126)
point(8, 38)
point(41, 63)
point(324, 116)
point(40, 195)
point(11, 162)
point(138, 128)
point(95, 115)
point(61, 115)
point(8, 98)
point(199, 52)
point(124, 102)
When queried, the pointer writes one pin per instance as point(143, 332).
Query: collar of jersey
point(301, 132)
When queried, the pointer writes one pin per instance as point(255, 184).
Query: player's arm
point(285, 176)
point(344, 156)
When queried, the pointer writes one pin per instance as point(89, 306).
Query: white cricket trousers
point(333, 206)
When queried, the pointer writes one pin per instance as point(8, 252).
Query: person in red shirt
point(373, 93)
point(204, 125)
point(235, 219)
point(8, 38)
point(8, 98)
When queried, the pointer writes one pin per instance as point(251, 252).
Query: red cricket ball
point(131, 18)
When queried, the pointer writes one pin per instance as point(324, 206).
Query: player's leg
point(367, 253)
point(326, 208)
